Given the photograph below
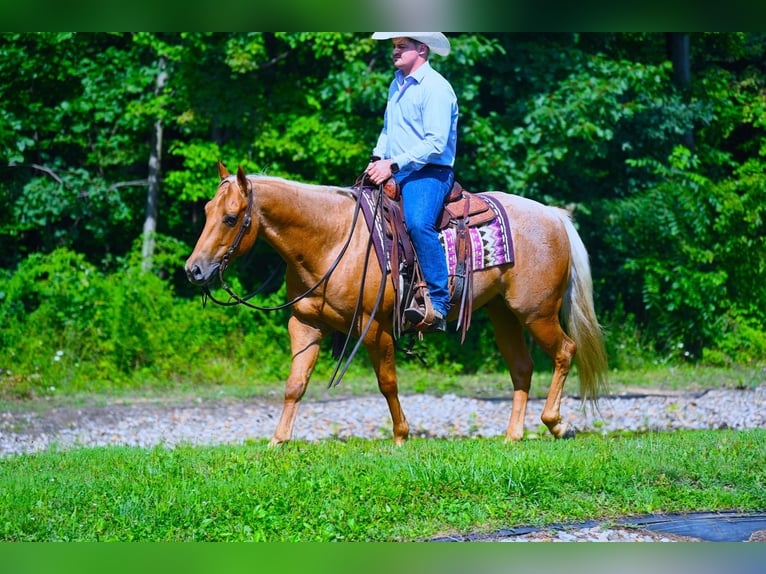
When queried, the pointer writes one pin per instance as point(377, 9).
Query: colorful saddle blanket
point(491, 244)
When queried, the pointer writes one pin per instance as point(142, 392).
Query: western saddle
point(462, 210)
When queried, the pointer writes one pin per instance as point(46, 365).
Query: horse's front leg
point(304, 343)
point(381, 350)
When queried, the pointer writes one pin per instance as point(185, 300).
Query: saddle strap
point(463, 283)
point(395, 268)
point(402, 259)
point(462, 246)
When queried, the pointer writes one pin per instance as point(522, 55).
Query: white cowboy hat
point(436, 41)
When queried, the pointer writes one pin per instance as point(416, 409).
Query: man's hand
point(379, 171)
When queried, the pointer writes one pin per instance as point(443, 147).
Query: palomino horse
point(310, 226)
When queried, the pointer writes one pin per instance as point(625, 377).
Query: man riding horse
point(417, 147)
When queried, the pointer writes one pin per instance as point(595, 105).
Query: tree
point(678, 48)
point(155, 158)
point(111, 141)
point(72, 106)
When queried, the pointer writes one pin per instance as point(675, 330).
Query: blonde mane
point(299, 185)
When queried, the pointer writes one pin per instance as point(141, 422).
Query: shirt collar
point(417, 75)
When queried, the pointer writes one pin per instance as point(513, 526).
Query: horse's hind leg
point(561, 349)
point(381, 353)
point(509, 335)
point(304, 342)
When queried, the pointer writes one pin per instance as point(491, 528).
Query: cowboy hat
point(436, 41)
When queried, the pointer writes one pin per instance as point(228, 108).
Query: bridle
point(226, 259)
point(237, 300)
point(246, 222)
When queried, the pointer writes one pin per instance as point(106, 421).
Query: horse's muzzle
point(198, 276)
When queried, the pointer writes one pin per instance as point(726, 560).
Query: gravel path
point(232, 422)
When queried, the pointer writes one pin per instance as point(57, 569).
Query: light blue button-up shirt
point(420, 123)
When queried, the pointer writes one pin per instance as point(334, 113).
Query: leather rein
point(237, 300)
point(226, 259)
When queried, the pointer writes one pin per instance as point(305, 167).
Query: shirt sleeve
point(382, 145)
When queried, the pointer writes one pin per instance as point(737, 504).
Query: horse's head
point(229, 229)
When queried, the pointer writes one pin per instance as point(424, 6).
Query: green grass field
point(370, 490)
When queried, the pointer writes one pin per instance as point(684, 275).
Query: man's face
point(406, 53)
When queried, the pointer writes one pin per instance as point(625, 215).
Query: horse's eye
point(230, 220)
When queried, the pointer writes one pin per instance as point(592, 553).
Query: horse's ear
point(223, 173)
point(242, 179)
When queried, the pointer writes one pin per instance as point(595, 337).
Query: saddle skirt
point(474, 232)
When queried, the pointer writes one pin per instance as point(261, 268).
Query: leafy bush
point(64, 324)
point(741, 342)
point(688, 246)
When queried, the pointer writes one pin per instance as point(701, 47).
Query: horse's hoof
point(563, 430)
point(511, 439)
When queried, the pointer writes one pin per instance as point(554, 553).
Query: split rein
point(245, 300)
point(237, 300)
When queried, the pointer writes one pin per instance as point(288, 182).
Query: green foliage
point(561, 120)
point(601, 115)
point(591, 121)
point(689, 250)
point(74, 113)
point(65, 326)
point(628, 345)
point(195, 154)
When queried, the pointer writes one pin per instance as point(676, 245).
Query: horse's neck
point(303, 223)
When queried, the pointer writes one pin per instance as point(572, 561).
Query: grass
point(364, 490)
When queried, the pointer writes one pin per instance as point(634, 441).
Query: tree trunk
point(679, 52)
point(155, 159)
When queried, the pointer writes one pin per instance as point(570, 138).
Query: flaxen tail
point(580, 319)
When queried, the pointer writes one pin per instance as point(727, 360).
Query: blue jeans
point(423, 195)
